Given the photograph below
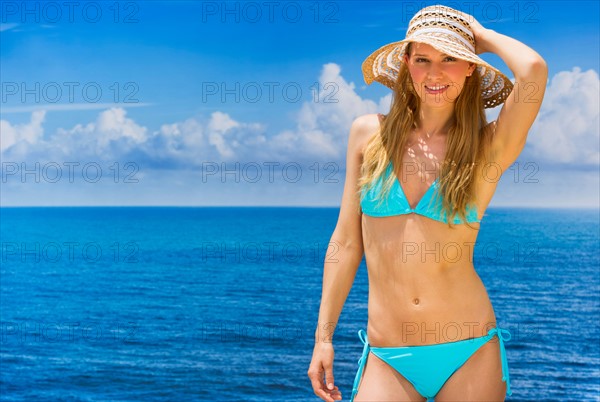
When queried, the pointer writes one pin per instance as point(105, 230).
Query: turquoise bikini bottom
point(428, 367)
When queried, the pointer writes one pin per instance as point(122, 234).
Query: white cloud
point(567, 129)
point(110, 135)
point(31, 132)
point(322, 126)
point(114, 125)
point(192, 142)
point(221, 123)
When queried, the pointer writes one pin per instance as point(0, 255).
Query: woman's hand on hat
point(478, 33)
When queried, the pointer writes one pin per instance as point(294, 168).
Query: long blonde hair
point(466, 145)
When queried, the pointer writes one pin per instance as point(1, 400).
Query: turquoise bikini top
point(397, 204)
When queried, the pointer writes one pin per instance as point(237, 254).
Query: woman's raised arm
point(522, 106)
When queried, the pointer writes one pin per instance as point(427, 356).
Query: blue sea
point(220, 304)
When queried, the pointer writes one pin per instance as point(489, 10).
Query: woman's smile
point(436, 89)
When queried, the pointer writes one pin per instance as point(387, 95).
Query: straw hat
point(449, 32)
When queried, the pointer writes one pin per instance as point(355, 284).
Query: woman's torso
point(423, 288)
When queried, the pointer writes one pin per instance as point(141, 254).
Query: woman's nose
point(435, 71)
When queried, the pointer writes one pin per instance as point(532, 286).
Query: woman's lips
point(438, 91)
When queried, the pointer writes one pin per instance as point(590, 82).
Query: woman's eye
point(420, 59)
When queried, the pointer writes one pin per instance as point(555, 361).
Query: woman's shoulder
point(368, 122)
point(364, 127)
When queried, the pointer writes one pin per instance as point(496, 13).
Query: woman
point(417, 184)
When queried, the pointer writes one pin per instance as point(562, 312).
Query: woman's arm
point(524, 102)
point(342, 260)
point(345, 249)
point(341, 264)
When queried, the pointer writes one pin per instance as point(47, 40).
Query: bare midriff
point(423, 287)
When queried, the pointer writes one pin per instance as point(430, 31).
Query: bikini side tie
point(361, 362)
point(504, 335)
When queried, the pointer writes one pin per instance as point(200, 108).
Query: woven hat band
point(444, 43)
point(452, 34)
point(439, 13)
point(435, 21)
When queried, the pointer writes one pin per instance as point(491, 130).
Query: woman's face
point(430, 68)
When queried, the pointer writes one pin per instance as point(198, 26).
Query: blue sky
point(130, 104)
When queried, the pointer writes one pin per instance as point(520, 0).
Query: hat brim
point(383, 66)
